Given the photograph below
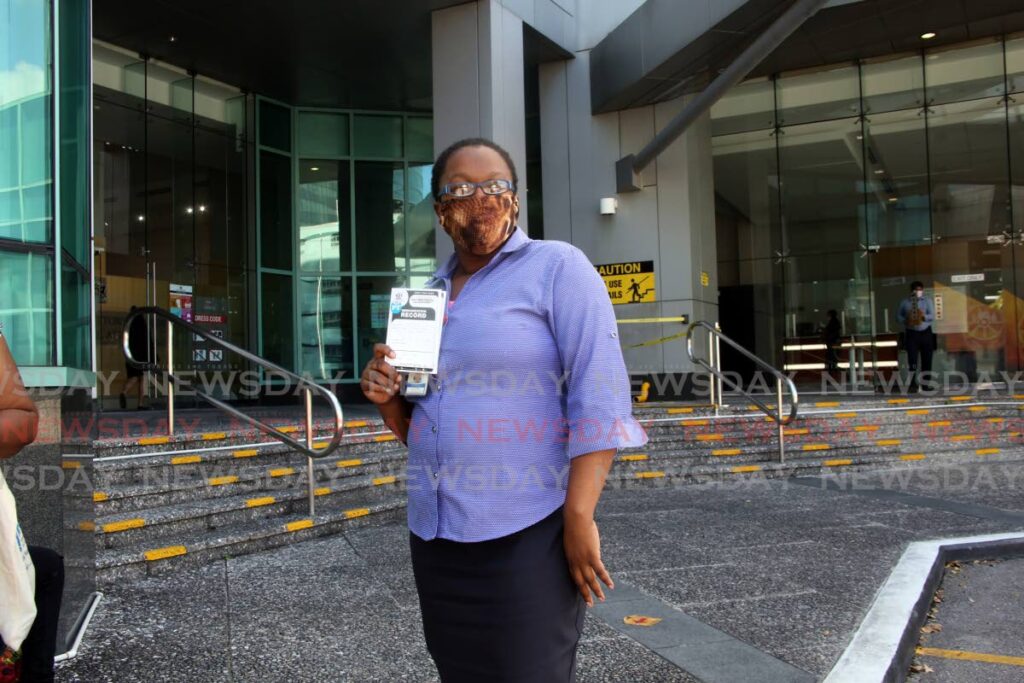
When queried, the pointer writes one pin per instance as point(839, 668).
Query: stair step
point(196, 516)
point(152, 556)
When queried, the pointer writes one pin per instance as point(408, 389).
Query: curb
point(883, 646)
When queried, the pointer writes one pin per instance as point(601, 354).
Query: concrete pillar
point(477, 53)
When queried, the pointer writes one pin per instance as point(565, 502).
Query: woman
point(19, 423)
point(509, 448)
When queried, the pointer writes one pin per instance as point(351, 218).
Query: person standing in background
point(916, 314)
point(830, 334)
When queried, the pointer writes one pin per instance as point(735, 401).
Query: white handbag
point(17, 574)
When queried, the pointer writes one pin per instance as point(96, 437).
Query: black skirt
point(500, 610)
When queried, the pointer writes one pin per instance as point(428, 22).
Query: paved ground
point(787, 567)
point(979, 617)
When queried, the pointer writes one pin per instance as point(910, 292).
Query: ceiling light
point(141, 218)
point(893, 200)
point(202, 208)
point(314, 168)
point(879, 171)
point(188, 210)
point(172, 39)
point(927, 36)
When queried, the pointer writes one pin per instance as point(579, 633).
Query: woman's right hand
point(380, 381)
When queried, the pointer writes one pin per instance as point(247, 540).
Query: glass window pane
point(1015, 64)
point(819, 96)
point(9, 147)
point(275, 126)
point(26, 306)
point(969, 174)
point(748, 106)
point(419, 138)
point(323, 134)
point(893, 84)
point(75, 318)
point(380, 225)
point(275, 211)
point(35, 140)
point(325, 238)
point(372, 297)
point(965, 74)
point(747, 195)
point(277, 322)
point(821, 165)
point(420, 218)
point(897, 199)
point(36, 202)
point(326, 326)
point(73, 184)
point(377, 136)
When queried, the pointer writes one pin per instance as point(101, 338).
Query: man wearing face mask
point(916, 314)
point(510, 446)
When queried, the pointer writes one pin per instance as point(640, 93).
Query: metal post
point(778, 419)
point(852, 363)
point(309, 445)
point(713, 384)
point(718, 365)
point(170, 382)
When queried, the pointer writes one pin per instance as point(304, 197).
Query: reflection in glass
point(325, 242)
point(26, 306)
point(965, 73)
point(278, 324)
point(372, 297)
point(323, 134)
point(275, 211)
point(897, 200)
point(275, 126)
point(893, 84)
point(747, 195)
point(380, 216)
point(969, 174)
point(325, 307)
point(377, 136)
point(419, 138)
point(822, 166)
point(748, 106)
point(818, 96)
point(420, 218)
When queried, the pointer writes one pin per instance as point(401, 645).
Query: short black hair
point(915, 284)
point(442, 162)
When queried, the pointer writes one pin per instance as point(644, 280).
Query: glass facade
point(171, 160)
point(345, 214)
point(837, 188)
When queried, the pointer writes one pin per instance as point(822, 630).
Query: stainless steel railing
point(308, 388)
point(713, 364)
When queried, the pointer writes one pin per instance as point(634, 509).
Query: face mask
point(918, 293)
point(479, 224)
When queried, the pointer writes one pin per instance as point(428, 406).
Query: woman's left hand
point(583, 552)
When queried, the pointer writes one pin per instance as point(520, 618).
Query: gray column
point(477, 53)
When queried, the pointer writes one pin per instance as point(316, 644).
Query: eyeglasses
point(467, 189)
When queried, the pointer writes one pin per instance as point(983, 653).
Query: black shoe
point(123, 400)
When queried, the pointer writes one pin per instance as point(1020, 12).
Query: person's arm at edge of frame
point(380, 384)
point(19, 420)
point(587, 475)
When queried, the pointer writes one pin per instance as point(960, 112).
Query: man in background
point(916, 314)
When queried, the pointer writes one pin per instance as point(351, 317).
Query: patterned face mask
point(480, 223)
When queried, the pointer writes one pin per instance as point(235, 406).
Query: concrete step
point(732, 473)
point(181, 520)
point(149, 557)
point(199, 481)
point(115, 468)
point(906, 450)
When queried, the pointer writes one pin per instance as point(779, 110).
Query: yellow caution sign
point(631, 282)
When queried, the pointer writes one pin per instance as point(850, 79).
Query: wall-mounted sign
point(631, 282)
point(181, 301)
point(705, 280)
point(968, 277)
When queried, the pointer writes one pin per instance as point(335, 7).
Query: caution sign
point(631, 282)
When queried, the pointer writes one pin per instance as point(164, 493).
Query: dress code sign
point(631, 282)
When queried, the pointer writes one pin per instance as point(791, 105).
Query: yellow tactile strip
point(186, 459)
point(153, 440)
point(164, 553)
point(123, 525)
point(633, 457)
point(650, 474)
point(726, 451)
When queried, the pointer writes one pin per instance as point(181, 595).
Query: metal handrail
point(308, 387)
point(714, 366)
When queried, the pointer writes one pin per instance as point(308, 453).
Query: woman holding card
point(510, 445)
